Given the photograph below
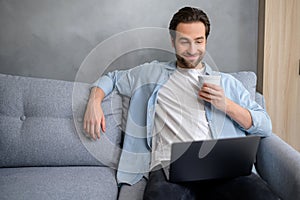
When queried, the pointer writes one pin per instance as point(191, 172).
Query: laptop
point(211, 159)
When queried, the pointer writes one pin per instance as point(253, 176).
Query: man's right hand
point(94, 116)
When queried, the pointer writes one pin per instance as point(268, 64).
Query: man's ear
point(173, 41)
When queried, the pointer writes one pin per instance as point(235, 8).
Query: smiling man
point(189, 42)
point(167, 105)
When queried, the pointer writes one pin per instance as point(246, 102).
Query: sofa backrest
point(41, 124)
point(248, 79)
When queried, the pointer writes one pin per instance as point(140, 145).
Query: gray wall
point(51, 39)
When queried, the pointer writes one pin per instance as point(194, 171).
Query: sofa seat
point(58, 183)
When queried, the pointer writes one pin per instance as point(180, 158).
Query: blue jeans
point(249, 187)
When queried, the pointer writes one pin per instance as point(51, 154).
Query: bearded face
point(190, 61)
point(190, 44)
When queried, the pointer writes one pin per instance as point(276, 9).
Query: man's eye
point(184, 42)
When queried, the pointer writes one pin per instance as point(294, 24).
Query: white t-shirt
point(179, 114)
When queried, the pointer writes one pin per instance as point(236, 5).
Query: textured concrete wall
point(46, 38)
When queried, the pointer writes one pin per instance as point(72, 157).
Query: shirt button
point(22, 118)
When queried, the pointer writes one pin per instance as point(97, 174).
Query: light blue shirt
point(142, 84)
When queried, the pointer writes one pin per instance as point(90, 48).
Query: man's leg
point(158, 188)
point(245, 187)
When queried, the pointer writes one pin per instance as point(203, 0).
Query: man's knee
point(167, 190)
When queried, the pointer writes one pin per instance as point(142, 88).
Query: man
point(168, 106)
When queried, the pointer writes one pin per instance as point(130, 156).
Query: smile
point(191, 57)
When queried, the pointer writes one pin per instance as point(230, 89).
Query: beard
point(184, 63)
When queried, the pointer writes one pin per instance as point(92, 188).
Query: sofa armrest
point(279, 165)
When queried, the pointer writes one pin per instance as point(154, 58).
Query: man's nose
point(192, 48)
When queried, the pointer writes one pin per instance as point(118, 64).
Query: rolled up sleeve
point(105, 83)
point(261, 123)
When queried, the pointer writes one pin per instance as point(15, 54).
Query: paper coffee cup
point(213, 79)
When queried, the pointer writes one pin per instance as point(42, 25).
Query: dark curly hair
point(189, 15)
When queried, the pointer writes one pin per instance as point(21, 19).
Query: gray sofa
point(44, 153)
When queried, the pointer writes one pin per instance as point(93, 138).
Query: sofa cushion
point(37, 127)
point(259, 98)
point(38, 183)
point(248, 79)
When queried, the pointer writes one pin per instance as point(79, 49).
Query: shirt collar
point(208, 70)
